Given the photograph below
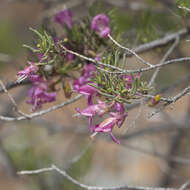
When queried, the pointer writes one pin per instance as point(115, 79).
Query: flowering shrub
point(54, 59)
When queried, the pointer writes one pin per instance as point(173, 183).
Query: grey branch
point(172, 100)
point(72, 180)
point(167, 54)
point(11, 85)
point(42, 112)
point(130, 51)
point(185, 185)
point(55, 107)
point(123, 71)
point(12, 100)
point(184, 8)
point(162, 41)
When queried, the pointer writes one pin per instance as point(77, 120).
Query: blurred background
point(153, 152)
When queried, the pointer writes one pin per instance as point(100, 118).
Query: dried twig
point(42, 112)
point(184, 8)
point(185, 185)
point(172, 100)
point(122, 71)
point(162, 41)
point(170, 50)
point(130, 51)
point(72, 180)
point(13, 101)
point(11, 85)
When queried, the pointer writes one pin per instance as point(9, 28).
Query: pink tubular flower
point(129, 81)
point(81, 84)
point(88, 70)
point(100, 24)
point(107, 125)
point(119, 107)
point(39, 94)
point(64, 18)
point(94, 109)
point(28, 72)
point(98, 57)
point(137, 76)
point(88, 91)
point(70, 57)
point(87, 73)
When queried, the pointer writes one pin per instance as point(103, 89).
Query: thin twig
point(185, 185)
point(42, 112)
point(161, 42)
point(13, 101)
point(130, 51)
point(14, 84)
point(72, 180)
point(174, 45)
point(122, 71)
point(185, 8)
point(172, 100)
point(79, 156)
point(176, 159)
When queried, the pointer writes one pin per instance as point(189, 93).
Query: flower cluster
point(64, 18)
point(106, 93)
point(28, 72)
point(39, 92)
point(116, 114)
point(81, 85)
point(100, 24)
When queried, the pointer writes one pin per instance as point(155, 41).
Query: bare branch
point(130, 51)
point(172, 100)
point(176, 159)
point(13, 101)
point(122, 71)
point(185, 185)
point(72, 180)
point(162, 41)
point(176, 42)
point(184, 8)
point(11, 85)
point(79, 156)
point(42, 112)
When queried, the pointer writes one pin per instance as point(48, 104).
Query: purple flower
point(107, 125)
point(120, 117)
point(88, 70)
point(92, 110)
point(98, 57)
point(88, 91)
point(87, 73)
point(70, 56)
point(39, 56)
point(81, 84)
point(128, 79)
point(100, 24)
point(119, 107)
point(64, 18)
point(39, 94)
point(137, 76)
point(28, 72)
